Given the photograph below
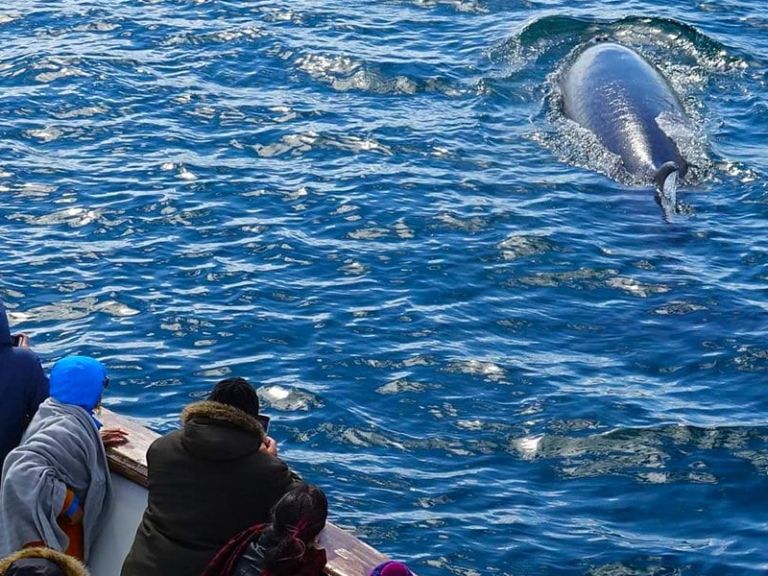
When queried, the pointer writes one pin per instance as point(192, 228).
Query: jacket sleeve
point(39, 389)
point(292, 478)
point(280, 480)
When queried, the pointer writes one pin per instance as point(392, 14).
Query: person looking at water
point(285, 547)
point(55, 485)
point(23, 385)
point(211, 479)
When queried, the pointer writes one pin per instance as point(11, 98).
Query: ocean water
point(488, 347)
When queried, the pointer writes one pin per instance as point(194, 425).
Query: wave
point(345, 73)
point(539, 37)
point(667, 453)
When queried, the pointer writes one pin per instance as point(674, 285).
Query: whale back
point(615, 93)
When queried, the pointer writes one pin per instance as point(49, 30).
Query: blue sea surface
point(486, 345)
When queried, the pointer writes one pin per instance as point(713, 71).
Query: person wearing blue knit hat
point(79, 381)
point(55, 485)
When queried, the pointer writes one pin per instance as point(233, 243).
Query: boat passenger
point(391, 568)
point(23, 386)
point(286, 547)
point(55, 484)
point(40, 561)
point(211, 479)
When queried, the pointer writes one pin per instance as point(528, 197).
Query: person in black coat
point(209, 480)
point(23, 386)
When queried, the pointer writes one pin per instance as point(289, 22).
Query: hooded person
point(23, 386)
point(209, 480)
point(39, 561)
point(55, 484)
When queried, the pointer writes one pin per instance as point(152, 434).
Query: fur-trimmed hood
point(222, 413)
point(70, 566)
point(217, 431)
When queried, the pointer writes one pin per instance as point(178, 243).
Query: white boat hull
point(123, 516)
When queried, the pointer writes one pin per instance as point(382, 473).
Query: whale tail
point(666, 187)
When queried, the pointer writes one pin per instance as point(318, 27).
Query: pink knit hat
point(391, 568)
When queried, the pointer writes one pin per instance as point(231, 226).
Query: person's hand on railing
point(112, 437)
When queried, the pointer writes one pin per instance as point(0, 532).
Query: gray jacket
point(61, 448)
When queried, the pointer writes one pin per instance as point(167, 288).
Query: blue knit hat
point(78, 380)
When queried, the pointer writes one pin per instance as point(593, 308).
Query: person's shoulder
point(55, 415)
point(269, 465)
point(161, 449)
point(166, 439)
point(26, 356)
point(165, 443)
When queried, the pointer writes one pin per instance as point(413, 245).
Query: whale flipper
point(666, 179)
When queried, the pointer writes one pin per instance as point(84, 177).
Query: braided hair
point(297, 519)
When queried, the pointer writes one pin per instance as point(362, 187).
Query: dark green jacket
point(207, 482)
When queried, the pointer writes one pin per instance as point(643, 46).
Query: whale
point(615, 93)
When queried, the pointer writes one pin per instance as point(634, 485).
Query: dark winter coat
point(23, 386)
point(207, 482)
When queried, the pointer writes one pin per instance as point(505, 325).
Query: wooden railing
point(347, 555)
